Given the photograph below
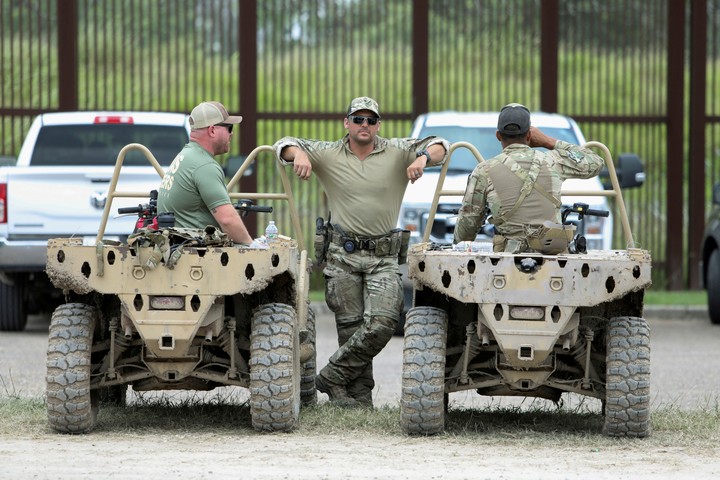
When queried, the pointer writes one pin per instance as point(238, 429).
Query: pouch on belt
point(550, 238)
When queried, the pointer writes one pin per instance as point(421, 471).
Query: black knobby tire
point(627, 396)
point(422, 399)
point(70, 406)
point(713, 286)
point(274, 368)
point(13, 310)
point(308, 393)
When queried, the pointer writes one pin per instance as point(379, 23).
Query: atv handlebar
point(582, 209)
point(244, 206)
point(125, 210)
point(150, 209)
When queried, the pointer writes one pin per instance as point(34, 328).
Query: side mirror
point(233, 164)
point(629, 169)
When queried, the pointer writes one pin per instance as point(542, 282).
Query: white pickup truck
point(478, 129)
point(58, 188)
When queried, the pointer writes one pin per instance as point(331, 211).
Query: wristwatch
point(421, 153)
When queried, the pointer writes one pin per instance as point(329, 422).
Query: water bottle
point(271, 232)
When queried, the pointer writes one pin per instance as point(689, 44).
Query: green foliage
point(681, 297)
point(537, 424)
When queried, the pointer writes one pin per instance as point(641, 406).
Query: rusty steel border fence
point(641, 76)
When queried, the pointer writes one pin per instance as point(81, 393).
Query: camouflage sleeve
point(573, 161)
point(309, 146)
point(412, 145)
point(472, 212)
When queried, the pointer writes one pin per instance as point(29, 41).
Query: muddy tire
point(422, 399)
point(274, 368)
point(70, 406)
point(713, 286)
point(308, 393)
point(627, 400)
point(13, 312)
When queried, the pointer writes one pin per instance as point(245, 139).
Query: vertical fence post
point(67, 31)
point(698, 84)
point(420, 68)
point(674, 143)
point(549, 18)
point(247, 82)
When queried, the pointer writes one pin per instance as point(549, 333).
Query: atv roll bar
point(287, 196)
point(615, 192)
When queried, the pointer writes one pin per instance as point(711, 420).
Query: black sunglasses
point(229, 126)
point(359, 119)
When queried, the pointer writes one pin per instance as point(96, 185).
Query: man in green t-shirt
point(364, 177)
point(194, 185)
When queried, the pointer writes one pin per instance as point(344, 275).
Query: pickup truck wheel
point(71, 407)
point(308, 393)
point(713, 286)
point(274, 368)
point(627, 390)
point(422, 398)
point(13, 312)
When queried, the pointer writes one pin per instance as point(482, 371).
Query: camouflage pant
point(365, 294)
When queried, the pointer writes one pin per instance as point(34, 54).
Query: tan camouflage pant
point(365, 294)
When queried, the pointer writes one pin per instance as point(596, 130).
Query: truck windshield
point(484, 140)
point(99, 145)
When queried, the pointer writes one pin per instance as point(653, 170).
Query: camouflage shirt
point(364, 195)
point(494, 188)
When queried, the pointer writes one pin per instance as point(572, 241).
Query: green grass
point(680, 297)
point(561, 426)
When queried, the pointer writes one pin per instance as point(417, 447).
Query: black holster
point(322, 240)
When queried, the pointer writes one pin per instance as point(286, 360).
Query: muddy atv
point(529, 325)
point(180, 309)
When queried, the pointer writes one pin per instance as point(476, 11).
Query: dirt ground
point(176, 454)
point(291, 456)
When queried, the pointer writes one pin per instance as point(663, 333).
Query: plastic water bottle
point(271, 232)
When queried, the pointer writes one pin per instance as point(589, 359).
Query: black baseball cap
point(514, 119)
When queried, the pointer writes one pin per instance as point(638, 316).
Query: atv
point(528, 324)
point(180, 309)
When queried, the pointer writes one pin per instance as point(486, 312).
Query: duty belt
point(384, 246)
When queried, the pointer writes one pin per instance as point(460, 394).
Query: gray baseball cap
point(514, 119)
point(210, 113)
point(363, 103)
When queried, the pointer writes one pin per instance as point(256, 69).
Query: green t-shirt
point(193, 185)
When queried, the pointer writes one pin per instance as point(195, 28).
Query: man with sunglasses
point(364, 177)
point(194, 186)
point(520, 187)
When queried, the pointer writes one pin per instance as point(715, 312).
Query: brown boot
point(338, 393)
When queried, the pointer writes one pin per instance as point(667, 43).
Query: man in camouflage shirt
point(364, 177)
point(520, 187)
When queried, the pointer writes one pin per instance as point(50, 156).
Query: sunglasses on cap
point(229, 126)
point(359, 119)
